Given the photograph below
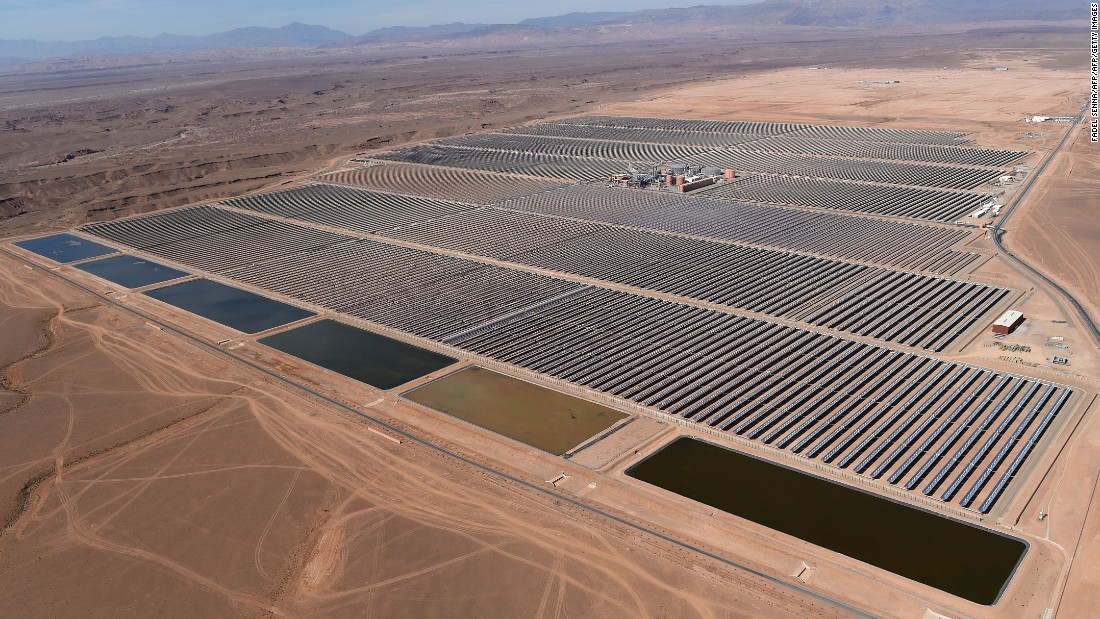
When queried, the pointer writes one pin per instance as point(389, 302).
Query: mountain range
point(768, 13)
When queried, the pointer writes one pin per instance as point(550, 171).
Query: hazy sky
point(69, 20)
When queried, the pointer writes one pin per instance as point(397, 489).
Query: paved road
point(1082, 313)
point(217, 350)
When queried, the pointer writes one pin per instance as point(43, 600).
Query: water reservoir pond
point(232, 307)
point(356, 353)
point(541, 417)
point(65, 248)
point(952, 556)
point(130, 271)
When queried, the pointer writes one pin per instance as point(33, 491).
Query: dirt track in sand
point(157, 467)
point(143, 464)
point(1059, 231)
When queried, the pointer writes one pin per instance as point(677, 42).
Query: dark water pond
point(65, 248)
point(952, 556)
point(131, 271)
point(356, 353)
point(232, 307)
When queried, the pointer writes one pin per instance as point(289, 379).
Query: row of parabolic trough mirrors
point(799, 325)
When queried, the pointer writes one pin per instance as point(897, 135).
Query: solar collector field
point(907, 308)
point(935, 427)
point(918, 203)
point(930, 153)
point(877, 134)
point(820, 166)
point(787, 142)
point(371, 211)
point(420, 292)
point(766, 381)
point(213, 239)
point(853, 405)
point(648, 154)
point(886, 243)
point(684, 125)
point(455, 184)
point(566, 157)
point(882, 134)
point(635, 135)
point(531, 164)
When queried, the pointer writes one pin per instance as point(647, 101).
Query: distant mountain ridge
point(767, 13)
point(850, 13)
point(575, 19)
point(292, 35)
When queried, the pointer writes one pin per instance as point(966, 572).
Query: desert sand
point(154, 476)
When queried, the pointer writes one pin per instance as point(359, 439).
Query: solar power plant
point(886, 243)
point(739, 158)
point(930, 153)
point(213, 239)
point(441, 183)
point(907, 308)
point(673, 342)
point(636, 135)
point(649, 154)
point(552, 166)
point(913, 202)
point(420, 292)
point(914, 421)
point(353, 209)
point(897, 173)
point(843, 401)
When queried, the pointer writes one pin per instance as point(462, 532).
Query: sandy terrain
point(990, 104)
point(87, 145)
point(1059, 232)
point(89, 141)
point(148, 465)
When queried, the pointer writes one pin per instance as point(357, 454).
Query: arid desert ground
point(149, 468)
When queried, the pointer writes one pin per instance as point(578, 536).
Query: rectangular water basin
point(357, 353)
point(232, 307)
point(549, 420)
point(950, 555)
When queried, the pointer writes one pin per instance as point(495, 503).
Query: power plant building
point(1008, 322)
